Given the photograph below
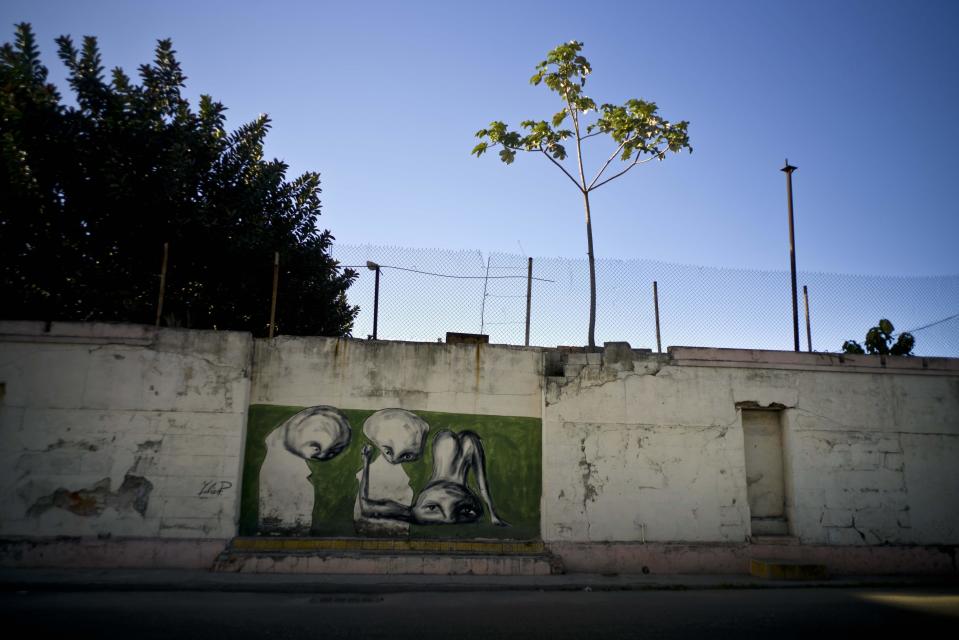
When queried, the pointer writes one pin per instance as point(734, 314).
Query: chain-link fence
point(426, 292)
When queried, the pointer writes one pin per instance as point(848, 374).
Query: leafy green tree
point(91, 192)
point(879, 341)
point(636, 129)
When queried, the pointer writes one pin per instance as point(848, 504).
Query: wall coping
point(141, 334)
point(816, 361)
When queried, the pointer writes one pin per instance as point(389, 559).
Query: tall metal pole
point(166, 253)
point(376, 301)
point(659, 345)
point(529, 295)
point(788, 169)
point(805, 295)
point(276, 281)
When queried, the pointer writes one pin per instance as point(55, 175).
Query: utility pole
point(788, 169)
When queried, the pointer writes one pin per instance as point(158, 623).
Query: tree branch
point(590, 135)
point(635, 162)
point(545, 153)
point(561, 168)
point(611, 158)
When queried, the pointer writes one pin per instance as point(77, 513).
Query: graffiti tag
point(214, 487)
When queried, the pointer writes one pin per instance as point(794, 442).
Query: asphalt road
point(775, 613)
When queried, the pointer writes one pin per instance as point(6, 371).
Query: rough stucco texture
point(466, 379)
point(655, 453)
point(121, 430)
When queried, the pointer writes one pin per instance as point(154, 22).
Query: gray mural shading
point(447, 497)
point(400, 436)
point(286, 493)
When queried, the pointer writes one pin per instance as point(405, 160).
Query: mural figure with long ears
point(286, 493)
point(400, 436)
point(446, 498)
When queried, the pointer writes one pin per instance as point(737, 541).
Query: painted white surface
point(365, 374)
point(651, 449)
point(387, 482)
point(763, 449)
point(87, 405)
point(656, 453)
point(286, 493)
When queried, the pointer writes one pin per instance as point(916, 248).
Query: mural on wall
point(411, 474)
point(317, 433)
point(400, 436)
point(447, 498)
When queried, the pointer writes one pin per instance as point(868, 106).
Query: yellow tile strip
point(380, 545)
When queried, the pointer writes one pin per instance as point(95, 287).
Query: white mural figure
point(286, 493)
point(447, 498)
point(400, 436)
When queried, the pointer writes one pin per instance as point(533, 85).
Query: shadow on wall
point(310, 472)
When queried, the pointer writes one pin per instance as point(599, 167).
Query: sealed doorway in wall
point(765, 486)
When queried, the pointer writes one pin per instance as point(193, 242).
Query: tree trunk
point(592, 274)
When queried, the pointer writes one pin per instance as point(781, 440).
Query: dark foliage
point(91, 192)
point(879, 341)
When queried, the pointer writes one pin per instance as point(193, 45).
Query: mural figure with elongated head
point(446, 498)
point(400, 436)
point(286, 493)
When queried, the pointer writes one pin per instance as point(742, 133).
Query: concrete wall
point(650, 448)
point(358, 374)
point(115, 433)
point(122, 431)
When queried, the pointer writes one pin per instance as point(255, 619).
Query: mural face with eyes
point(400, 435)
point(317, 433)
point(446, 503)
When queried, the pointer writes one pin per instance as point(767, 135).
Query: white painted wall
point(362, 374)
point(86, 406)
point(656, 453)
point(647, 448)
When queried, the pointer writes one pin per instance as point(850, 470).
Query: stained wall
point(122, 431)
point(650, 448)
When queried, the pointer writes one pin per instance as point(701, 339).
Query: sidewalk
point(69, 580)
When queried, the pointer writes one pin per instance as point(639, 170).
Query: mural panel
point(324, 471)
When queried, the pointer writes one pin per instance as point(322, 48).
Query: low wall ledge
point(853, 363)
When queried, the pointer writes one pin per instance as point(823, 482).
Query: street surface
point(721, 613)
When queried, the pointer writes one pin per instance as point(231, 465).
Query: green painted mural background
point(513, 447)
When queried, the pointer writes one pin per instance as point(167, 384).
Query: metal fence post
point(659, 345)
point(529, 295)
point(166, 253)
point(276, 281)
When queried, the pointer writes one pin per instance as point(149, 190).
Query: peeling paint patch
point(133, 495)
point(72, 444)
point(149, 445)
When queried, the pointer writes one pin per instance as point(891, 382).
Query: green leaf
point(479, 149)
point(507, 155)
point(558, 117)
point(851, 346)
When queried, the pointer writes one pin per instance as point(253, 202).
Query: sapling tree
point(879, 341)
point(637, 131)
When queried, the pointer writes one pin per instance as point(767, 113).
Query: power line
point(932, 324)
point(442, 275)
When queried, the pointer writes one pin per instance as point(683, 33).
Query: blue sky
point(383, 100)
